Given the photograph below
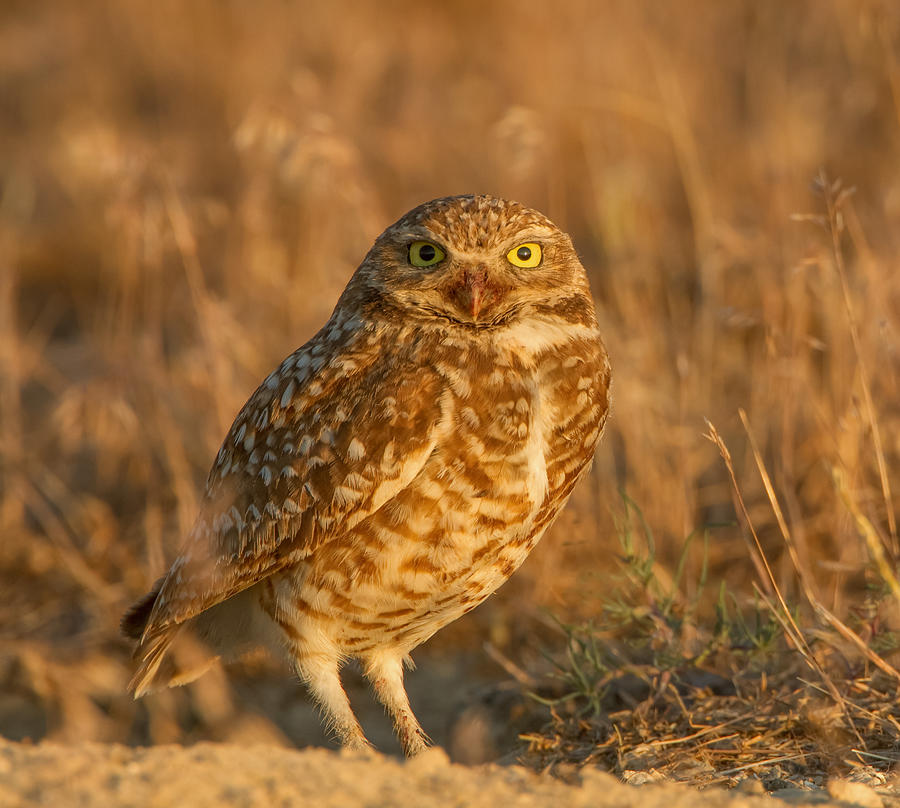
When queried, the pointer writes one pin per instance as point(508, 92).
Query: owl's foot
point(413, 740)
point(357, 742)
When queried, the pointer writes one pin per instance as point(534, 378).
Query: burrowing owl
point(399, 467)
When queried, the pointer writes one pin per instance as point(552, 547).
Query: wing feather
point(315, 450)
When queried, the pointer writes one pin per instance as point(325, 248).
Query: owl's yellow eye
point(526, 255)
point(425, 254)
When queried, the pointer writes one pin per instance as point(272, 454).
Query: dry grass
point(781, 731)
point(785, 697)
point(185, 188)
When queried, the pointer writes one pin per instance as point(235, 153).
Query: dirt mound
point(224, 775)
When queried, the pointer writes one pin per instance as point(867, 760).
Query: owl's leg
point(321, 675)
point(385, 672)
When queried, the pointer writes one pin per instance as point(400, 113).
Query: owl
point(394, 471)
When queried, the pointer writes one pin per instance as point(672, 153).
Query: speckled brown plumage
point(390, 474)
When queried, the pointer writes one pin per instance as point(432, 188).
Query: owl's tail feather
point(134, 621)
point(166, 657)
point(150, 655)
point(177, 653)
point(170, 658)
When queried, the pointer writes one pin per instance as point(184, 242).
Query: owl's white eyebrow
point(419, 235)
point(536, 234)
point(501, 248)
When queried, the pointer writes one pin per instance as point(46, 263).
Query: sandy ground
point(227, 775)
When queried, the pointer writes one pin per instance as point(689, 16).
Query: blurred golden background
point(185, 188)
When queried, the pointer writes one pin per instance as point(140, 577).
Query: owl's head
point(471, 261)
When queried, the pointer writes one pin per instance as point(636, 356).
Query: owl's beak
point(473, 291)
point(475, 298)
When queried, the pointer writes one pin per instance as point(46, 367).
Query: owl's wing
point(313, 452)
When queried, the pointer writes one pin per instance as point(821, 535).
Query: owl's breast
point(575, 385)
point(497, 438)
point(523, 430)
point(517, 433)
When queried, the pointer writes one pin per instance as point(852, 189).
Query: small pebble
point(640, 778)
point(751, 786)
